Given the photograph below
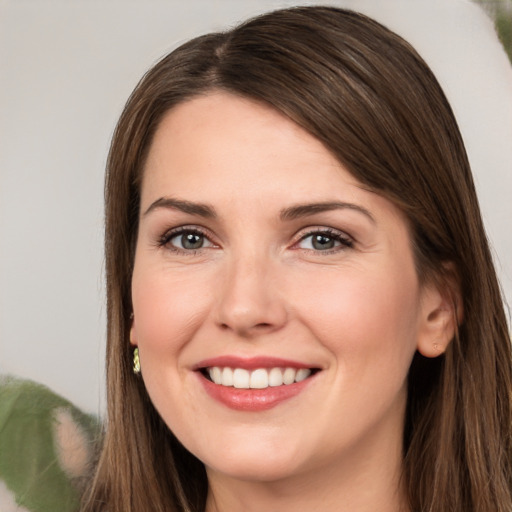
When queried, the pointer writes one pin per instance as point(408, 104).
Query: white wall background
point(66, 69)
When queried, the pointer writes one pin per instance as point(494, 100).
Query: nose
point(250, 301)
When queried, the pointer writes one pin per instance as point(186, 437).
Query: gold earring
point(136, 361)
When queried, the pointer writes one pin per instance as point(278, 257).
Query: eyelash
point(345, 242)
point(165, 239)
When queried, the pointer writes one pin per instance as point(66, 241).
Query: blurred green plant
point(501, 12)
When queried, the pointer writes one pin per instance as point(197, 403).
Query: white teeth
point(227, 377)
point(275, 377)
point(216, 375)
point(241, 378)
point(257, 379)
point(302, 374)
point(289, 376)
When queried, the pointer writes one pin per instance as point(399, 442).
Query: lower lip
point(253, 399)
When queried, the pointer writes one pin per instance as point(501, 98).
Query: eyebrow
point(203, 210)
point(290, 213)
point(305, 210)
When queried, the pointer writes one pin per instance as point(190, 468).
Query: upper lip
point(250, 363)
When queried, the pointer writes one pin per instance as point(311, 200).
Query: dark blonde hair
point(372, 101)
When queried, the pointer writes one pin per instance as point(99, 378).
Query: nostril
point(263, 325)
point(256, 327)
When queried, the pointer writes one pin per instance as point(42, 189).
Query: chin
point(260, 470)
point(254, 461)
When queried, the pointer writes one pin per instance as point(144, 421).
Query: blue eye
point(186, 240)
point(324, 241)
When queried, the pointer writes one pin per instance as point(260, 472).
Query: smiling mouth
point(259, 378)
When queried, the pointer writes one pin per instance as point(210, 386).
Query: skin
point(259, 287)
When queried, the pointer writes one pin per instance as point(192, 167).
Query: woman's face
point(262, 264)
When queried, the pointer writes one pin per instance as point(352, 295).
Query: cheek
point(363, 316)
point(168, 310)
point(368, 322)
point(168, 307)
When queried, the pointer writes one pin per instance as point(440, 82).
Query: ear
point(440, 314)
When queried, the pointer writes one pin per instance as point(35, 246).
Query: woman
point(302, 306)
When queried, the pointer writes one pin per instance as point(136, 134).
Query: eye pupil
point(192, 241)
point(322, 242)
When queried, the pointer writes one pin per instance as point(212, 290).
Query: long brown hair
point(372, 101)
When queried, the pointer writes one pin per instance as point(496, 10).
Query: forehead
point(222, 138)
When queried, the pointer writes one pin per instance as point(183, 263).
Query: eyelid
point(169, 234)
point(346, 241)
